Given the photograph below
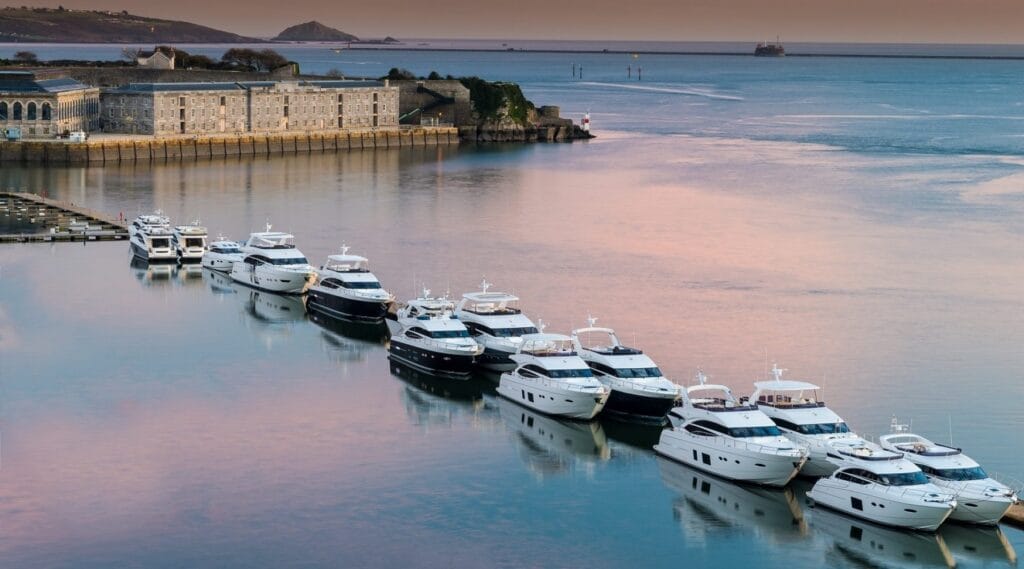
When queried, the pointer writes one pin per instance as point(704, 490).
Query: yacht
point(271, 262)
point(714, 432)
point(153, 243)
point(495, 322)
point(639, 389)
point(347, 289)
point(797, 409)
point(550, 377)
point(882, 486)
point(147, 221)
point(222, 255)
point(980, 499)
point(190, 242)
point(426, 335)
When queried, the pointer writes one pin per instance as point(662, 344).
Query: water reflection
point(552, 446)
point(219, 282)
point(432, 400)
point(345, 341)
point(164, 274)
point(707, 504)
point(979, 545)
point(859, 543)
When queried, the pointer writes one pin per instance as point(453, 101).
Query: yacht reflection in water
point(366, 332)
point(862, 543)
point(978, 545)
point(218, 282)
point(432, 400)
point(164, 274)
point(554, 446)
point(707, 504)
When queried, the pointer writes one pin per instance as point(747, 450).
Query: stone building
point(434, 101)
point(156, 59)
point(258, 106)
point(39, 107)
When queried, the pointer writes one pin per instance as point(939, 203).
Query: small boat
point(883, 487)
point(553, 379)
point(222, 255)
point(496, 322)
point(426, 335)
point(639, 388)
point(796, 407)
point(980, 498)
point(272, 263)
point(765, 49)
point(714, 432)
point(189, 242)
point(346, 288)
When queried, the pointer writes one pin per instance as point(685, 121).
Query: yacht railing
point(730, 442)
point(642, 386)
point(470, 348)
point(565, 385)
point(901, 491)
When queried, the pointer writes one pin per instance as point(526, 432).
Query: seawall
point(106, 149)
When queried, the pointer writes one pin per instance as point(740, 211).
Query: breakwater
point(113, 149)
point(30, 217)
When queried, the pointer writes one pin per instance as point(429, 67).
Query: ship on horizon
point(766, 49)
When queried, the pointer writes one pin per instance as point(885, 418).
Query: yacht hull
point(157, 256)
point(642, 407)
point(890, 509)
point(551, 399)
point(979, 510)
point(281, 282)
point(430, 361)
point(341, 307)
point(733, 463)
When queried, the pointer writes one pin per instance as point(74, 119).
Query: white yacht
point(347, 289)
point(222, 255)
point(153, 243)
point(190, 242)
point(639, 389)
point(426, 335)
point(980, 499)
point(148, 221)
point(797, 409)
point(496, 322)
point(552, 378)
point(714, 432)
point(272, 263)
point(882, 486)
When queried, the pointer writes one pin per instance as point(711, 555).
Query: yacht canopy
point(490, 297)
point(545, 338)
point(784, 385)
point(346, 262)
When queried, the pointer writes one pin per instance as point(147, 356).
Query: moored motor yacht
point(714, 432)
point(153, 243)
point(222, 255)
point(552, 378)
point(426, 335)
point(271, 262)
point(147, 221)
point(882, 486)
point(980, 499)
point(639, 388)
point(346, 288)
point(189, 242)
point(797, 409)
point(496, 322)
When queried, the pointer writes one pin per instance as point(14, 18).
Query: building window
point(32, 112)
point(3, 111)
point(17, 111)
point(47, 112)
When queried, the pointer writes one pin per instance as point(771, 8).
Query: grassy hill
point(314, 31)
point(80, 26)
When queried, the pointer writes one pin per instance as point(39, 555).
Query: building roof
point(242, 85)
point(26, 82)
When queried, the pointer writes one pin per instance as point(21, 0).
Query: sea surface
point(858, 221)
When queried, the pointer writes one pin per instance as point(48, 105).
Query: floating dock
point(1015, 516)
point(28, 218)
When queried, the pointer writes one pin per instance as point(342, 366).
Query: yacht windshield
point(364, 284)
point(194, 242)
point(903, 479)
point(160, 243)
point(449, 334)
point(513, 332)
point(638, 372)
point(225, 250)
point(958, 474)
point(585, 372)
point(291, 261)
point(823, 429)
point(744, 432)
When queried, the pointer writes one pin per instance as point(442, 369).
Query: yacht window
point(698, 430)
point(638, 372)
point(903, 479)
point(420, 332)
point(957, 474)
point(510, 332)
point(713, 427)
point(537, 370)
point(744, 432)
point(225, 250)
point(365, 284)
point(291, 261)
point(329, 283)
point(823, 428)
point(449, 333)
point(526, 373)
point(583, 372)
point(847, 476)
point(157, 243)
point(193, 242)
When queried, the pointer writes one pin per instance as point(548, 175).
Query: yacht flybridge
point(714, 432)
point(882, 486)
point(553, 379)
point(639, 389)
point(347, 289)
point(190, 242)
point(271, 262)
point(426, 335)
point(149, 221)
point(495, 322)
point(222, 255)
point(980, 498)
point(795, 406)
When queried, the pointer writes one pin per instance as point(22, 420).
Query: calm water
point(857, 221)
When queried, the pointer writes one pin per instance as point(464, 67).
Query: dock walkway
point(60, 221)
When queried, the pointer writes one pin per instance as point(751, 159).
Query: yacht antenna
point(484, 285)
point(344, 249)
point(777, 371)
point(426, 292)
point(269, 226)
point(950, 429)
point(591, 320)
point(541, 325)
point(701, 378)
point(766, 362)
